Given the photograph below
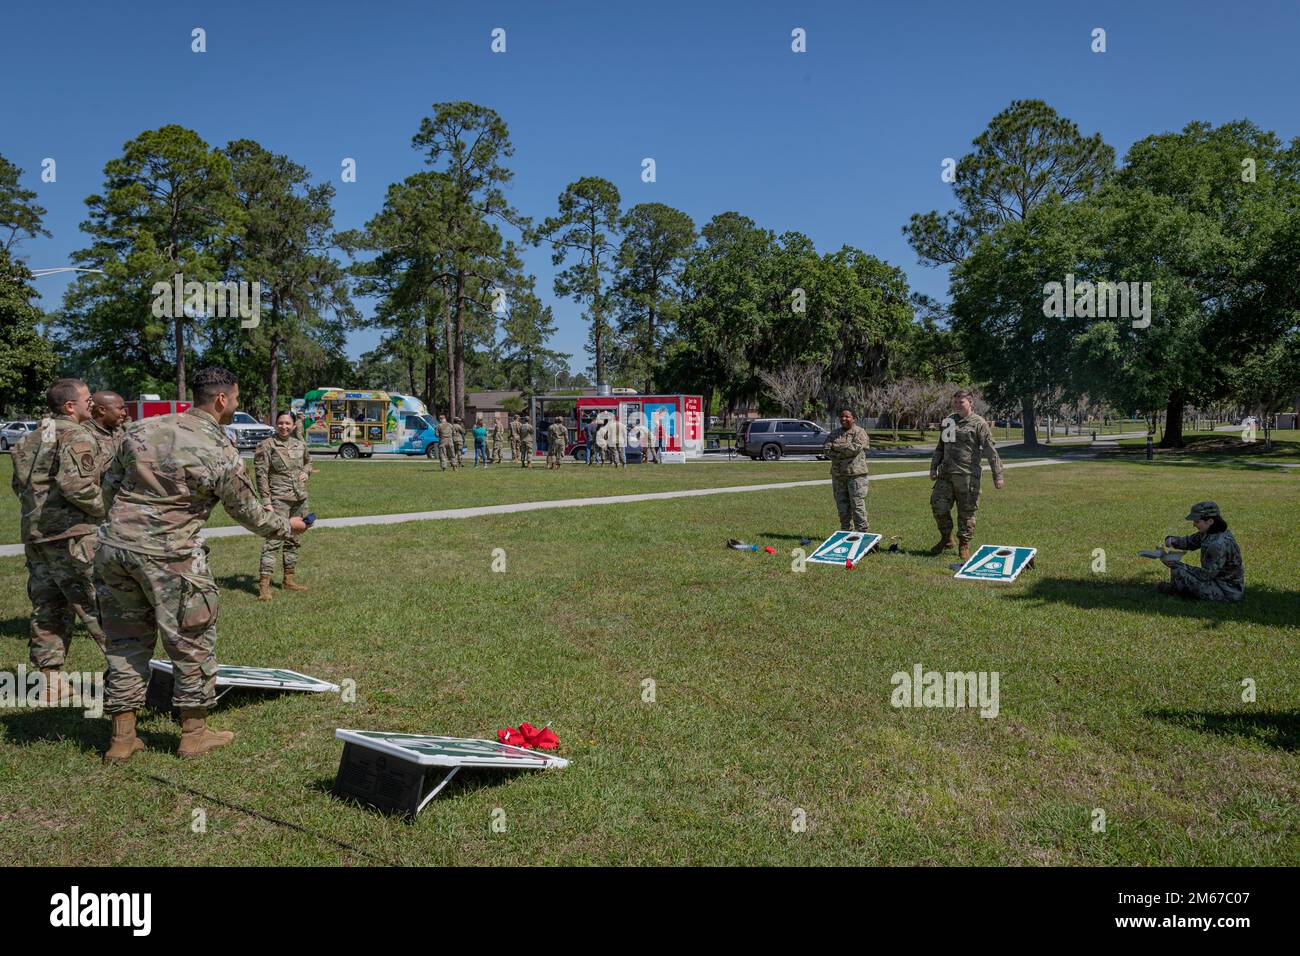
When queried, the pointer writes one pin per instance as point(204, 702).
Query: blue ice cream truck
point(356, 423)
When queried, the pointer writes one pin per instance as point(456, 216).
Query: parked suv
point(12, 433)
point(247, 432)
point(770, 438)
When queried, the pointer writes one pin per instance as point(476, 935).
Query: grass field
point(772, 688)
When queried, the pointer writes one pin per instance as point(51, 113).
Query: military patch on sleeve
point(84, 455)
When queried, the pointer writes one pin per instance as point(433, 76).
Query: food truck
point(357, 423)
point(148, 406)
point(676, 422)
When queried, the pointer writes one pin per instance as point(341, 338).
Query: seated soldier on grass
point(1221, 576)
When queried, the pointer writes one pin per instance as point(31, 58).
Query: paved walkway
point(10, 550)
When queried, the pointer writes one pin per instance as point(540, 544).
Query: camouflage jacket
point(280, 466)
point(847, 450)
point(497, 434)
point(514, 431)
point(459, 432)
point(557, 436)
point(1220, 558)
point(170, 472)
point(108, 443)
point(446, 436)
point(526, 433)
point(57, 481)
point(972, 439)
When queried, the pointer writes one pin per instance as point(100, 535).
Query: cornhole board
point(844, 546)
point(996, 562)
point(159, 695)
point(400, 773)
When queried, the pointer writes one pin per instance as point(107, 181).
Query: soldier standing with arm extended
point(847, 449)
point(57, 480)
point(282, 464)
point(152, 567)
point(526, 443)
point(447, 454)
point(1221, 576)
point(955, 470)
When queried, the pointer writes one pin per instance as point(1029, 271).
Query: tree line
point(1204, 222)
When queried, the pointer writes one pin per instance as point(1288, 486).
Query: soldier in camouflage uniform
point(458, 428)
point(955, 470)
point(107, 413)
point(847, 449)
point(514, 437)
point(526, 444)
point(152, 568)
point(281, 463)
point(56, 478)
point(498, 434)
point(447, 453)
point(1221, 576)
point(557, 436)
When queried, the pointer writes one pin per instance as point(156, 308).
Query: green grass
point(348, 488)
point(1210, 447)
point(772, 691)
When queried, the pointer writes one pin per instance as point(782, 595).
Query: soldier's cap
point(1203, 510)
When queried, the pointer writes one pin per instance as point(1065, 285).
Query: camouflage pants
point(142, 597)
point(615, 455)
point(447, 456)
point(554, 455)
point(851, 501)
point(965, 491)
point(526, 454)
point(61, 585)
point(514, 449)
point(1197, 583)
point(495, 457)
point(272, 548)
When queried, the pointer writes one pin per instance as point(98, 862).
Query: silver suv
point(770, 438)
point(13, 432)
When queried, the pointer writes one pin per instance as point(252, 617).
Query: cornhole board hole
point(996, 562)
point(400, 773)
point(159, 695)
point(844, 546)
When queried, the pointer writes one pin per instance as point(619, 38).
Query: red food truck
point(676, 422)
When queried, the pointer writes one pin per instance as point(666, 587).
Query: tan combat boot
point(124, 743)
point(946, 543)
point(196, 739)
point(264, 588)
point(964, 551)
point(289, 584)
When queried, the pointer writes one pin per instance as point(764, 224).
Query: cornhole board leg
point(386, 783)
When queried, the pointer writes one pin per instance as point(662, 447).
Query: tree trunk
point(650, 349)
point(458, 396)
point(180, 357)
point(274, 384)
point(1028, 422)
point(1173, 437)
point(451, 365)
point(431, 360)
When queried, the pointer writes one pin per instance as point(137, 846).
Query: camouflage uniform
point(847, 450)
point(615, 442)
point(447, 454)
point(152, 568)
point(957, 465)
point(1221, 576)
point(498, 435)
point(514, 438)
point(56, 478)
point(526, 444)
point(459, 431)
point(279, 465)
point(557, 436)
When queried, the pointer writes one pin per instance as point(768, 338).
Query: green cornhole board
point(844, 546)
point(400, 773)
point(996, 562)
point(159, 694)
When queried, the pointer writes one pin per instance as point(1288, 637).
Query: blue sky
point(843, 142)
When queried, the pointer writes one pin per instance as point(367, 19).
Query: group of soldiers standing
point(491, 442)
point(110, 526)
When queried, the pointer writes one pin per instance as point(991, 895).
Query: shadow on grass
point(19, 627)
point(467, 780)
point(24, 727)
point(1261, 605)
point(1279, 728)
point(239, 582)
